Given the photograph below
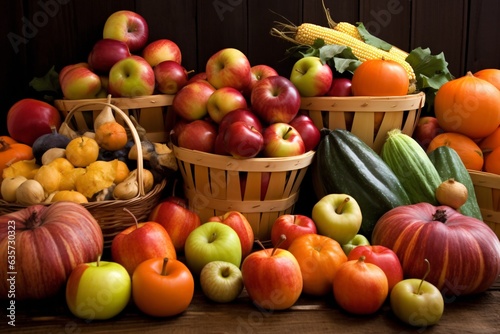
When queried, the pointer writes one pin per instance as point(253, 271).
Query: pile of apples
point(240, 110)
point(124, 64)
point(317, 255)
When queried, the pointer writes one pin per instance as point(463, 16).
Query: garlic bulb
point(126, 190)
point(30, 192)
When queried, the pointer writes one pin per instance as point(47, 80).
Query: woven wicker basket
point(360, 114)
point(109, 213)
point(213, 185)
point(487, 189)
point(151, 112)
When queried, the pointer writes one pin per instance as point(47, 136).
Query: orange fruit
point(111, 136)
point(489, 143)
point(466, 148)
point(492, 162)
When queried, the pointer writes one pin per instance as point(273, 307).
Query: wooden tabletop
point(473, 314)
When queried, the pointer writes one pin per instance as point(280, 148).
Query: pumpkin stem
point(164, 267)
point(4, 146)
point(32, 221)
point(440, 216)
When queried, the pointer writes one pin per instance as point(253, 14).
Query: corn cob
point(307, 34)
point(351, 30)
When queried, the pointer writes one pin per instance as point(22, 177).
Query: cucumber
point(449, 165)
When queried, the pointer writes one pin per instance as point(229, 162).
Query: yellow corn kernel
point(307, 34)
point(349, 29)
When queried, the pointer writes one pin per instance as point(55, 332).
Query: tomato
point(28, 119)
point(360, 287)
point(378, 77)
point(162, 287)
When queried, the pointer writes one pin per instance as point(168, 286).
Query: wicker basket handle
point(135, 136)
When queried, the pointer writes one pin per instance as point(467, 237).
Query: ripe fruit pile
point(243, 111)
point(123, 63)
point(467, 119)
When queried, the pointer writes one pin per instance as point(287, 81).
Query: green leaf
point(372, 40)
point(48, 83)
point(339, 57)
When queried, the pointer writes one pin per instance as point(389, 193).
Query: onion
point(452, 193)
point(30, 192)
point(9, 187)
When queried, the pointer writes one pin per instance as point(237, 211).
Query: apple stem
point(340, 208)
point(425, 276)
point(164, 267)
point(282, 238)
point(260, 244)
point(213, 237)
point(98, 262)
point(225, 271)
point(133, 217)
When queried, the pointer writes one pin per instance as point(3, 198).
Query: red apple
point(162, 50)
point(141, 242)
point(177, 129)
point(243, 114)
point(190, 102)
point(311, 76)
point(340, 87)
point(383, 257)
point(128, 27)
point(219, 145)
point(228, 67)
point(78, 81)
point(282, 140)
point(173, 214)
point(170, 77)
point(198, 135)
point(272, 278)
point(105, 53)
point(427, 128)
point(223, 101)
point(198, 76)
point(28, 119)
point(308, 131)
point(240, 224)
point(292, 226)
point(242, 140)
point(259, 72)
point(275, 99)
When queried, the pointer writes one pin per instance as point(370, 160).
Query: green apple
point(311, 76)
point(221, 281)
point(358, 240)
point(337, 216)
point(209, 242)
point(98, 290)
point(131, 76)
point(417, 302)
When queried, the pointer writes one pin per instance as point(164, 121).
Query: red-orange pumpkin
point(464, 252)
point(468, 105)
point(378, 77)
point(12, 151)
point(49, 241)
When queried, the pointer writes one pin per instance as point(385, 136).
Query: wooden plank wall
point(39, 34)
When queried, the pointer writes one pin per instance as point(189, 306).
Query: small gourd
point(9, 187)
point(106, 115)
point(452, 193)
point(30, 192)
point(126, 189)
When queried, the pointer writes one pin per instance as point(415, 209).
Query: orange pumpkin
point(489, 143)
point(378, 77)
point(468, 105)
point(12, 151)
point(492, 75)
point(467, 149)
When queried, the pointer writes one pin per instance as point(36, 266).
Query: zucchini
point(412, 166)
point(345, 164)
point(449, 165)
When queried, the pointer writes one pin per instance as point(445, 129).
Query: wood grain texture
point(475, 314)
